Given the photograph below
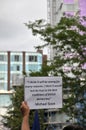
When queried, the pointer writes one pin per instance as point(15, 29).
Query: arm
point(25, 111)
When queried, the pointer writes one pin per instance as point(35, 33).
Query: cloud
point(8, 29)
point(13, 15)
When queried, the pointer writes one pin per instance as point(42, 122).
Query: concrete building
point(55, 10)
point(12, 66)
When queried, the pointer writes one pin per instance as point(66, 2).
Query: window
point(1, 57)
point(32, 67)
point(3, 67)
point(1, 86)
point(33, 58)
point(16, 57)
point(17, 67)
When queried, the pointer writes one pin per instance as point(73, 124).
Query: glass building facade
point(15, 63)
point(3, 71)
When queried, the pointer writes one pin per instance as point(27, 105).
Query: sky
point(14, 35)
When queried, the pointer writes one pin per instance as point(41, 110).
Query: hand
point(25, 109)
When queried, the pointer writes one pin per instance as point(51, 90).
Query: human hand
point(25, 109)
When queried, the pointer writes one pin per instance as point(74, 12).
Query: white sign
point(43, 92)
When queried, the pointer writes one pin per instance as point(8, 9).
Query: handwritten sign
point(43, 92)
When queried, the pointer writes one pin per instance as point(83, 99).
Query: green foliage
point(68, 38)
point(45, 70)
point(13, 118)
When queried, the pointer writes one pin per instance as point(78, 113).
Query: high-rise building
point(56, 9)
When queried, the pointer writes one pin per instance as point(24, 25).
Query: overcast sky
point(14, 35)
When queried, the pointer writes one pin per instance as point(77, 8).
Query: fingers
point(25, 102)
point(25, 108)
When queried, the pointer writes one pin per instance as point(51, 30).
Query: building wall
point(14, 63)
point(82, 5)
point(55, 11)
point(71, 7)
point(3, 71)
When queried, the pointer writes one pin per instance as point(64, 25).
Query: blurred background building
point(55, 10)
point(12, 66)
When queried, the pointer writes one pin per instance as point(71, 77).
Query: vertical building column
point(8, 72)
point(23, 62)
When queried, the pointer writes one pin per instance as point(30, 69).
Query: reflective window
point(3, 57)
point(16, 57)
point(17, 67)
point(40, 59)
point(32, 58)
point(3, 67)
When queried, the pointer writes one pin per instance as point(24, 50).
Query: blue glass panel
point(3, 67)
point(5, 100)
point(40, 59)
point(3, 76)
point(16, 67)
point(33, 67)
point(16, 57)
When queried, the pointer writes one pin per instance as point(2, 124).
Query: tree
point(13, 118)
point(45, 70)
point(68, 39)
